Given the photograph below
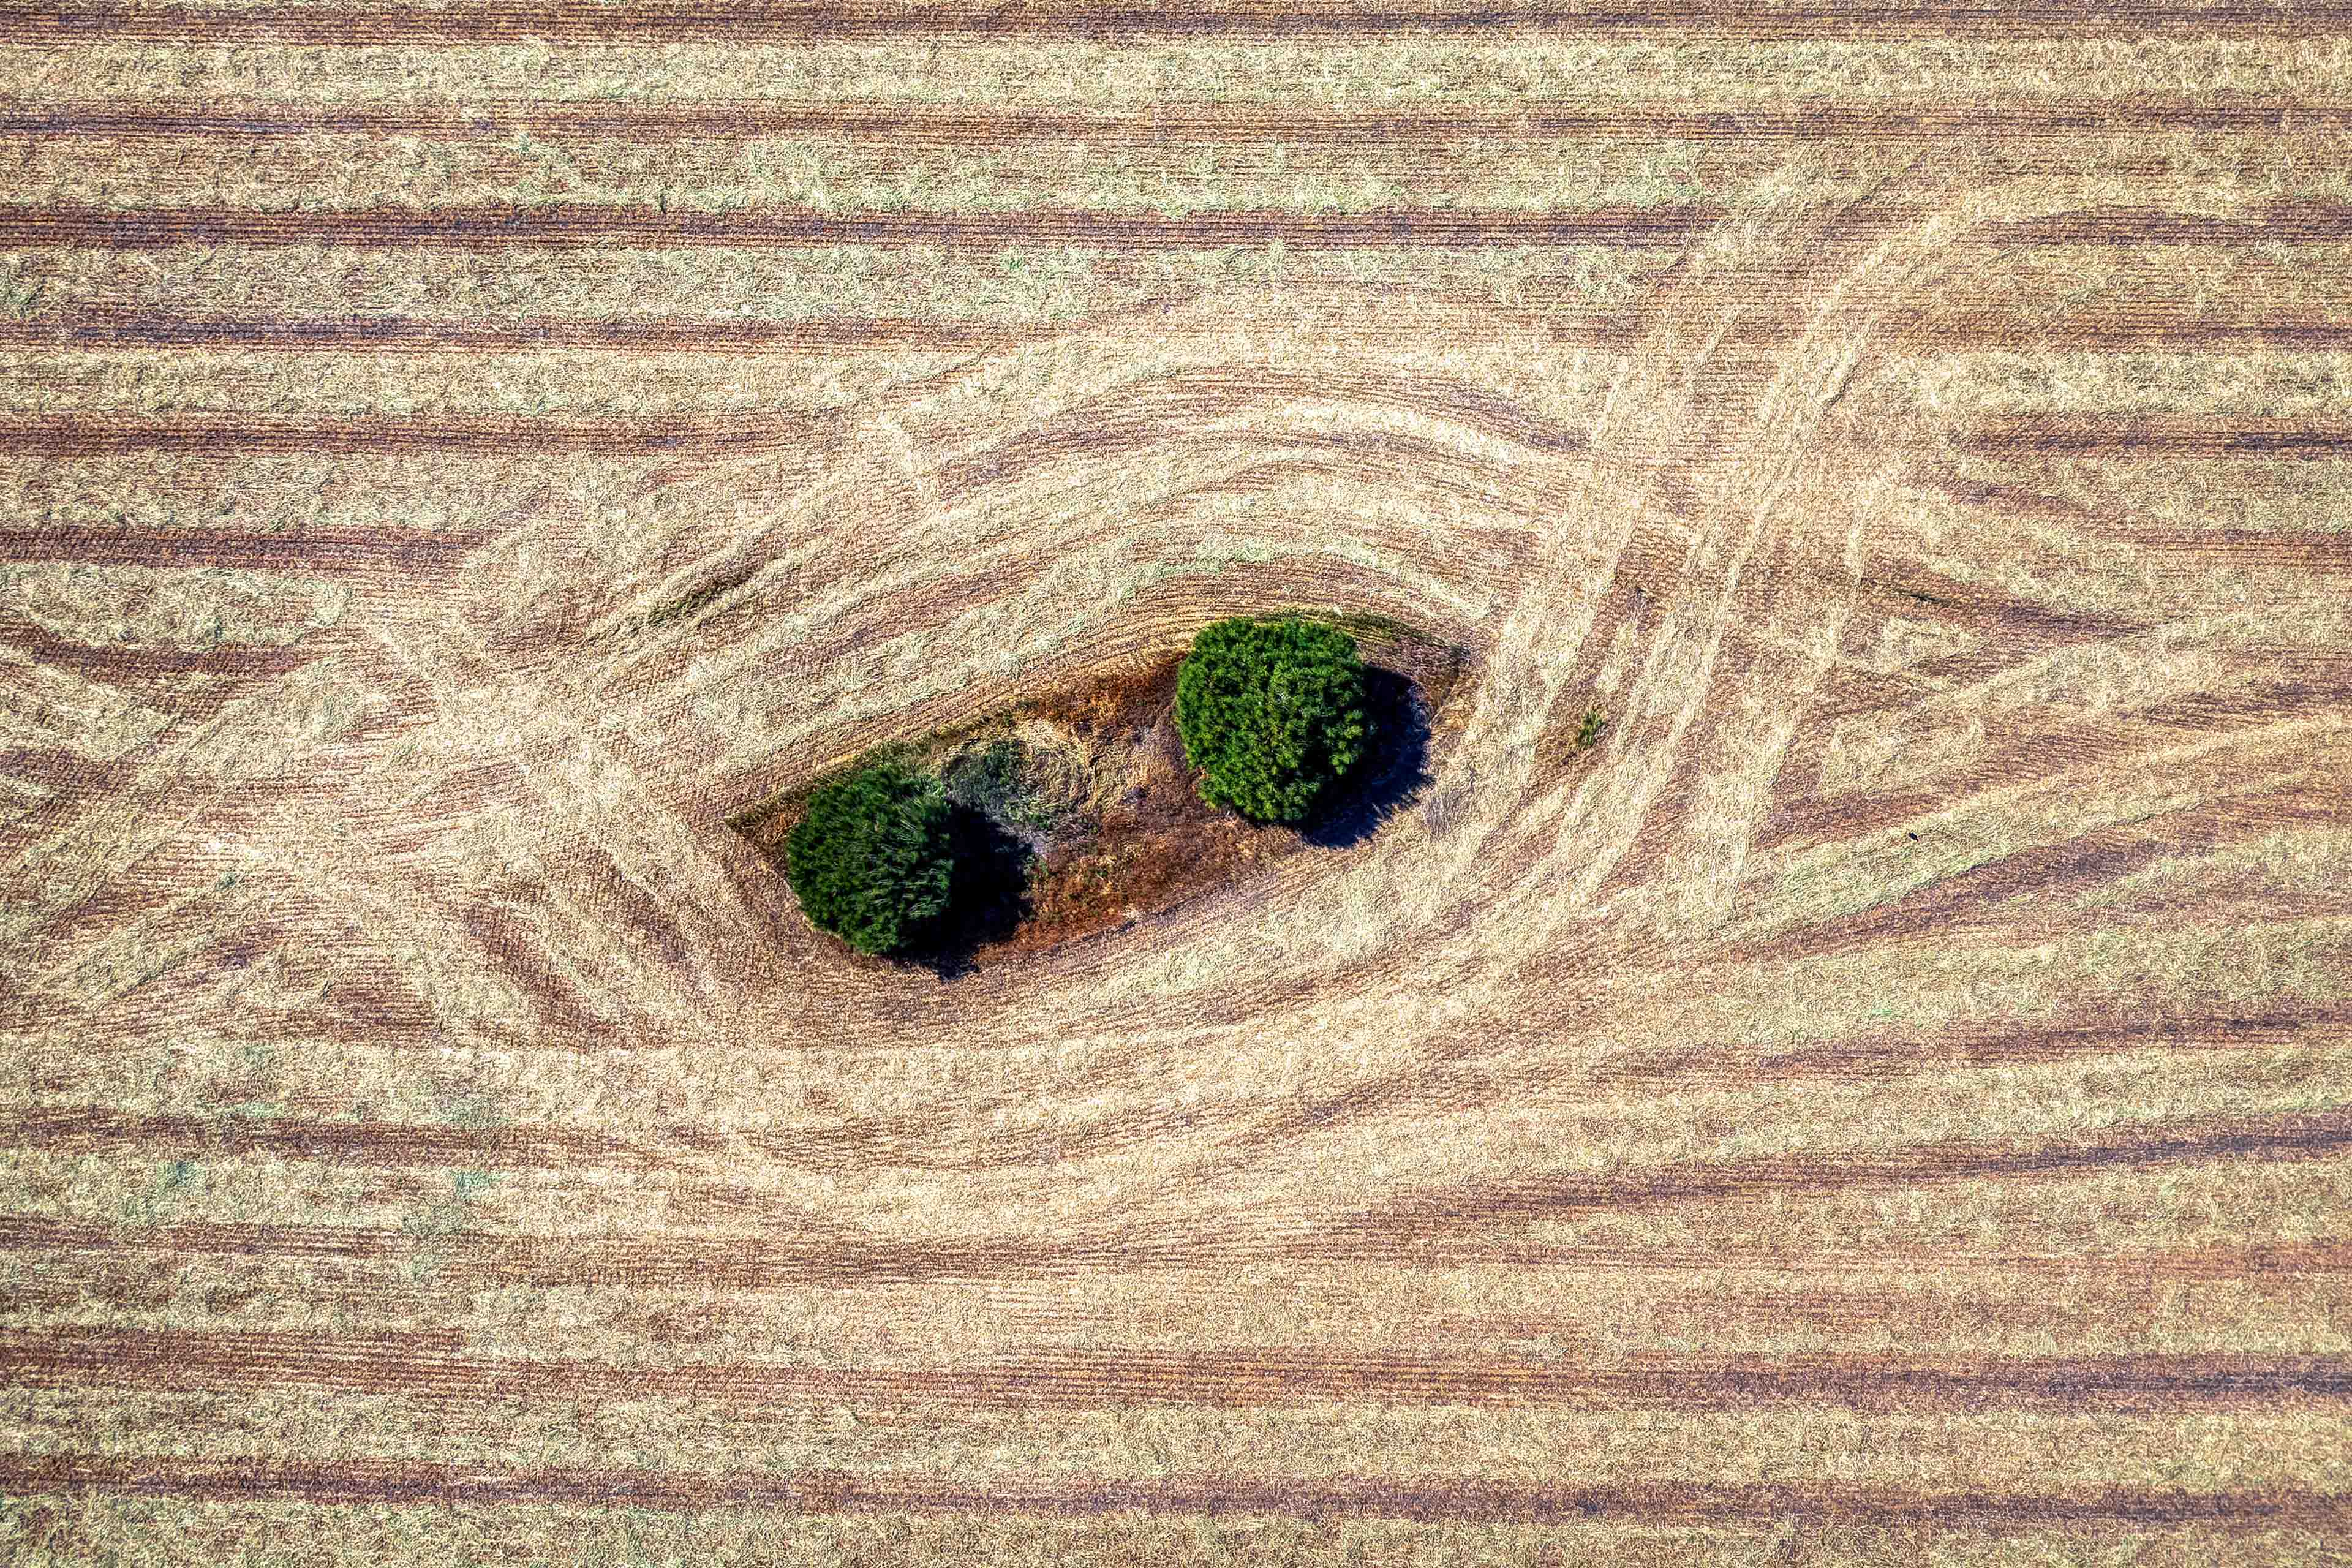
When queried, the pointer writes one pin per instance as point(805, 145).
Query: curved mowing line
point(1155, 126)
point(397, 1482)
point(518, 20)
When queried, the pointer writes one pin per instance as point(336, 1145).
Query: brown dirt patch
point(1159, 843)
point(1153, 843)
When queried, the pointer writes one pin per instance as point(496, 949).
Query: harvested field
point(1845, 1058)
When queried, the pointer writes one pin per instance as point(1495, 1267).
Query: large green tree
point(872, 861)
point(1272, 713)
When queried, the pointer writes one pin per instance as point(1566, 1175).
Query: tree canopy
point(1272, 713)
point(873, 860)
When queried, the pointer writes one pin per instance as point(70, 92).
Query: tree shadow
point(987, 900)
point(1391, 778)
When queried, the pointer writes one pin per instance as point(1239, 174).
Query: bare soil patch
point(1137, 837)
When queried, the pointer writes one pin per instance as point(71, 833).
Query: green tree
point(1272, 713)
point(872, 861)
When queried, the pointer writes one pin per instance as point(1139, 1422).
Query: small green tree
point(1272, 713)
point(872, 860)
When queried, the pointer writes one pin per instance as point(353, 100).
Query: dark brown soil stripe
point(1873, 1054)
point(159, 673)
point(2304, 221)
point(65, 774)
point(770, 1262)
point(1395, 1228)
point(2185, 436)
point(393, 334)
point(1159, 125)
point(432, 1369)
point(1884, 1054)
point(2153, 329)
point(395, 1482)
point(1980, 898)
point(2281, 549)
point(488, 228)
point(766, 20)
point(323, 549)
point(2277, 550)
point(395, 1144)
point(87, 436)
point(555, 226)
point(96, 435)
point(2020, 759)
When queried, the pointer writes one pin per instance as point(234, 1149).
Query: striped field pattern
point(1888, 1102)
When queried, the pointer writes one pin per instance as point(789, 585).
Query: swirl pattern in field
point(1889, 1092)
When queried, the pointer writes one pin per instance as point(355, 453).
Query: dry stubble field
point(1887, 1102)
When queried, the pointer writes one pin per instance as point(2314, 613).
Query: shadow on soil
point(1392, 778)
point(988, 899)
